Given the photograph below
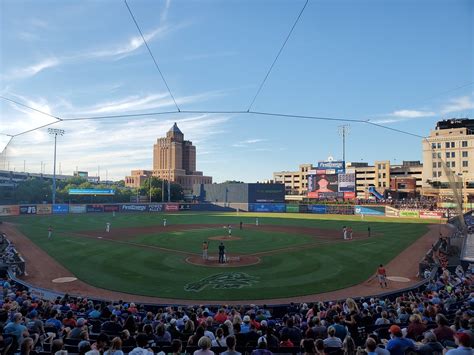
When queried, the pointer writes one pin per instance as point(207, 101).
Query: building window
point(464, 164)
point(434, 155)
point(452, 144)
point(433, 145)
point(448, 155)
point(464, 154)
point(453, 154)
point(439, 173)
point(464, 144)
point(453, 164)
point(439, 145)
point(447, 144)
point(439, 164)
point(434, 165)
point(448, 164)
point(435, 174)
point(439, 155)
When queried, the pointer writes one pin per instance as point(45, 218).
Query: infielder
point(256, 222)
point(229, 229)
point(205, 247)
point(107, 227)
point(164, 222)
point(382, 276)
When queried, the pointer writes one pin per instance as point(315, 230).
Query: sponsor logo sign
point(155, 208)
point(95, 208)
point(171, 207)
point(9, 210)
point(371, 211)
point(391, 212)
point(320, 209)
point(410, 214)
point(77, 209)
point(338, 166)
point(43, 209)
point(29, 209)
point(134, 208)
point(61, 208)
point(431, 214)
point(292, 208)
point(91, 192)
point(111, 208)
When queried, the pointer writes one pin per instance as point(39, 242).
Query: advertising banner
point(77, 209)
point(330, 195)
point(410, 214)
point(111, 208)
point(338, 166)
point(340, 209)
point(346, 182)
point(95, 192)
point(172, 207)
point(312, 194)
point(370, 211)
point(134, 208)
point(43, 209)
point(9, 210)
point(267, 207)
point(349, 195)
point(320, 209)
point(95, 208)
point(28, 209)
point(155, 207)
point(184, 207)
point(391, 212)
point(431, 214)
point(292, 208)
point(304, 209)
point(61, 208)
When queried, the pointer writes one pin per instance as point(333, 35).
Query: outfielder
point(107, 227)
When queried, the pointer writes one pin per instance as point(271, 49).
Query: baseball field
point(286, 255)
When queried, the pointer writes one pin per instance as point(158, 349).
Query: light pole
point(169, 173)
point(55, 132)
point(343, 132)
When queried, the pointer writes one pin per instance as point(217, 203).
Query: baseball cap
point(33, 313)
point(464, 338)
point(81, 321)
point(246, 319)
point(394, 329)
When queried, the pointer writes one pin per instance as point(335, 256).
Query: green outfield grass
point(145, 270)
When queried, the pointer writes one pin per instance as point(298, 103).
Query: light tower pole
point(343, 132)
point(55, 132)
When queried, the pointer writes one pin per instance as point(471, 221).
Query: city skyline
point(406, 65)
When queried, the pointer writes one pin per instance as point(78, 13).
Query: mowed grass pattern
point(149, 271)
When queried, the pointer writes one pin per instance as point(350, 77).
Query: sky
point(402, 63)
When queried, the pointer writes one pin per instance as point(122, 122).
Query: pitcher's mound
point(224, 238)
point(232, 261)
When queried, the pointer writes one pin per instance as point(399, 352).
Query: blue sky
point(399, 63)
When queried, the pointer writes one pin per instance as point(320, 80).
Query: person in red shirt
point(220, 317)
point(382, 276)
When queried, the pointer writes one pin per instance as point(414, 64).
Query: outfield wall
point(323, 209)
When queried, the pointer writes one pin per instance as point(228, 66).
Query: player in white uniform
point(164, 222)
point(256, 222)
point(107, 227)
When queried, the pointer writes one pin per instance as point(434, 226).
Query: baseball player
point(205, 247)
point(256, 222)
point(50, 232)
point(164, 222)
point(382, 276)
point(107, 227)
point(229, 229)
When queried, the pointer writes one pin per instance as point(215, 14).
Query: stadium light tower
point(55, 132)
point(343, 132)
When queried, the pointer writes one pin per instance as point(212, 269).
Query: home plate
point(61, 280)
point(99, 237)
point(398, 279)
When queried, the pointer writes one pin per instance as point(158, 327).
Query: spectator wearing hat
point(430, 345)
point(245, 326)
point(78, 329)
point(463, 341)
point(397, 345)
point(35, 325)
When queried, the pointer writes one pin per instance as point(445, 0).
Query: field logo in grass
point(224, 280)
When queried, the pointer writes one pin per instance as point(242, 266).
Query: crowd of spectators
point(438, 318)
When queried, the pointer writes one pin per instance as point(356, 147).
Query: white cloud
point(248, 142)
point(32, 70)
point(412, 113)
point(458, 104)
point(164, 13)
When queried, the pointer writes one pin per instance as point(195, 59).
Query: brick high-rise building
point(174, 159)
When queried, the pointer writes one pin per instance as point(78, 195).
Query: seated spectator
point(35, 325)
point(443, 332)
point(370, 347)
point(319, 330)
point(398, 344)
point(176, 347)
point(294, 334)
point(69, 320)
point(16, 328)
point(463, 341)
point(27, 346)
point(112, 326)
point(308, 346)
point(84, 346)
point(341, 330)
point(57, 346)
point(162, 335)
point(142, 342)
point(205, 345)
point(349, 346)
point(115, 347)
point(379, 350)
point(285, 341)
point(100, 344)
point(130, 325)
point(269, 338)
point(416, 328)
point(194, 339)
point(319, 345)
point(261, 349)
point(220, 339)
point(127, 340)
point(332, 341)
point(383, 320)
point(230, 342)
point(431, 345)
point(80, 327)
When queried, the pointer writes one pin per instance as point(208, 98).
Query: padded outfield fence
point(323, 209)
